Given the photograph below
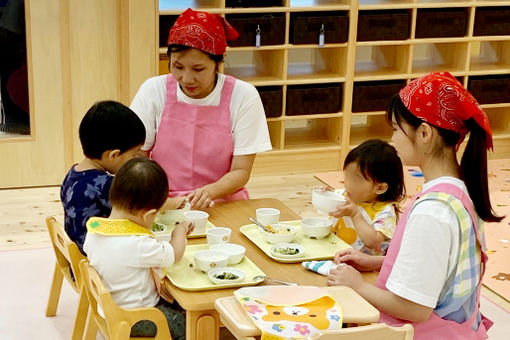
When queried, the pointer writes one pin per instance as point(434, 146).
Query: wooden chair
point(68, 257)
point(377, 331)
point(117, 322)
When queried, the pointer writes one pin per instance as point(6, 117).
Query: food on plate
point(287, 251)
point(226, 276)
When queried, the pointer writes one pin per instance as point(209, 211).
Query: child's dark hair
point(473, 165)
point(140, 184)
point(109, 125)
point(378, 161)
point(217, 58)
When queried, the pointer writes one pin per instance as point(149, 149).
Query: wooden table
point(202, 321)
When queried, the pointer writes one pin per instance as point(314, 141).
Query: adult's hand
point(358, 260)
point(201, 198)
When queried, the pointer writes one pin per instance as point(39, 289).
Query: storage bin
point(165, 23)
point(313, 99)
point(374, 95)
point(492, 21)
point(490, 89)
point(272, 28)
point(305, 27)
point(272, 100)
point(438, 23)
point(383, 25)
point(253, 3)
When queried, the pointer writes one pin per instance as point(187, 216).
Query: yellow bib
point(116, 227)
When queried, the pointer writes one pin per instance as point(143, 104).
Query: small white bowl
point(161, 233)
point(275, 238)
point(206, 260)
point(300, 250)
point(213, 273)
point(326, 201)
point(218, 235)
point(318, 227)
point(235, 252)
point(172, 217)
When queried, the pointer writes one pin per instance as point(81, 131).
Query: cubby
point(324, 99)
point(451, 57)
point(310, 64)
point(260, 67)
point(381, 61)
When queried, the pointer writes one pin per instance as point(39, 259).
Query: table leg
point(202, 325)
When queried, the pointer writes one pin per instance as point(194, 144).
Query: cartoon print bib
point(116, 227)
point(290, 312)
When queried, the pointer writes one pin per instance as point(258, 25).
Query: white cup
point(198, 218)
point(268, 215)
point(218, 235)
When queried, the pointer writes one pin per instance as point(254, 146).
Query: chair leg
point(91, 332)
point(56, 287)
point(81, 316)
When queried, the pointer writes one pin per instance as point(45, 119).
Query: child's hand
point(187, 227)
point(345, 275)
point(348, 208)
point(356, 259)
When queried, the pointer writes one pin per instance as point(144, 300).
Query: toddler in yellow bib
point(374, 184)
point(123, 250)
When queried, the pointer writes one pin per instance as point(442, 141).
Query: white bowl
point(326, 201)
point(171, 217)
point(206, 260)
point(278, 250)
point(161, 232)
point(218, 235)
point(274, 238)
point(213, 273)
point(318, 227)
point(235, 252)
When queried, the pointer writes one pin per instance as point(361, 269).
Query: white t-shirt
point(429, 250)
point(124, 262)
point(249, 127)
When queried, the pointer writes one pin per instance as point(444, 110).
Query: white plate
point(218, 271)
point(300, 248)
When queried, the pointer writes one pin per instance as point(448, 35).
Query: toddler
point(110, 134)
point(374, 183)
point(123, 250)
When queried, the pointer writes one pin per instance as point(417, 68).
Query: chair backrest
point(117, 322)
point(60, 241)
point(378, 331)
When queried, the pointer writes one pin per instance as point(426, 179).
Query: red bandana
point(203, 31)
point(439, 99)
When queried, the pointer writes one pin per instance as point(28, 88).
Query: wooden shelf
point(354, 63)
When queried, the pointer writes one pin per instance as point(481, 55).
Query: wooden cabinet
point(386, 44)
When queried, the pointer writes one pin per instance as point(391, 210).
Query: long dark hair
point(473, 165)
point(379, 162)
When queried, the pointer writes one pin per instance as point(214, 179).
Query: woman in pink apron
point(203, 127)
point(431, 275)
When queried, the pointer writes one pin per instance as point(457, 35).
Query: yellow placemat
point(322, 249)
point(186, 276)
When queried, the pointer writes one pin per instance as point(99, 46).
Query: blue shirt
point(84, 194)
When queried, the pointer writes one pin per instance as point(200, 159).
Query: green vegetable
point(226, 276)
point(287, 251)
point(157, 227)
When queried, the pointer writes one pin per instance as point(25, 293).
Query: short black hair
point(140, 184)
point(217, 58)
point(110, 125)
point(378, 161)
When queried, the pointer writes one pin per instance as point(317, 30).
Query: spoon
point(259, 224)
point(267, 279)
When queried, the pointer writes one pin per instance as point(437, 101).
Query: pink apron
point(436, 327)
point(194, 143)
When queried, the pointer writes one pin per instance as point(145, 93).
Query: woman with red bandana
point(432, 273)
point(203, 127)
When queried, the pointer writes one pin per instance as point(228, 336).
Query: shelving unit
point(415, 37)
